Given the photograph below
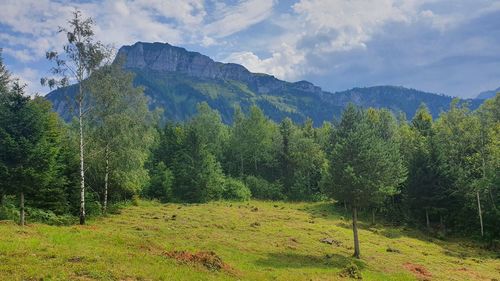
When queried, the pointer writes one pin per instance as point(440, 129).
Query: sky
point(443, 46)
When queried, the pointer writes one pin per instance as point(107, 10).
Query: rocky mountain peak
point(163, 57)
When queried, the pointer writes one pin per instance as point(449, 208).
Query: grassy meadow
point(233, 241)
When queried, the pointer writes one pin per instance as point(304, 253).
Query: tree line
point(442, 175)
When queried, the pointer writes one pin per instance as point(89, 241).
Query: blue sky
point(443, 46)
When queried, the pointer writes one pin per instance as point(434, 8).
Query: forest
point(441, 175)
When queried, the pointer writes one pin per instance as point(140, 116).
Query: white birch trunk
point(82, 168)
point(106, 177)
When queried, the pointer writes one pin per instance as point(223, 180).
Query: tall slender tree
point(82, 55)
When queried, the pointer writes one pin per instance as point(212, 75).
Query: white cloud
point(284, 64)
point(29, 27)
point(27, 76)
point(232, 19)
point(301, 35)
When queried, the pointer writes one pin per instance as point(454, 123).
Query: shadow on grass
point(294, 260)
point(451, 246)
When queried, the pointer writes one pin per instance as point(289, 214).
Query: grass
point(256, 240)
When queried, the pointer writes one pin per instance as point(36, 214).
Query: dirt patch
point(418, 270)
point(331, 241)
point(76, 259)
point(209, 260)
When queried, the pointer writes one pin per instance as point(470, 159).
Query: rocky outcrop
point(164, 57)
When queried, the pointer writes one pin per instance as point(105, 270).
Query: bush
point(351, 271)
point(48, 217)
point(9, 212)
point(263, 189)
point(235, 189)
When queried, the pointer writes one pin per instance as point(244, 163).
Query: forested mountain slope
point(176, 80)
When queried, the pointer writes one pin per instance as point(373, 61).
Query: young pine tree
point(364, 168)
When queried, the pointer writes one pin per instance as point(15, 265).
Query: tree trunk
point(82, 171)
point(22, 213)
point(355, 232)
point(345, 207)
point(480, 214)
point(106, 177)
point(427, 221)
point(373, 216)
point(2, 199)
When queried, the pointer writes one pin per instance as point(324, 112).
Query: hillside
point(488, 94)
point(176, 80)
point(249, 241)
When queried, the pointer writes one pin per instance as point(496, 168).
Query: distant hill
point(488, 94)
point(176, 79)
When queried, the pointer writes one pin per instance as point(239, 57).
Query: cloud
point(357, 42)
point(285, 64)
point(232, 19)
point(26, 77)
point(28, 28)
point(374, 42)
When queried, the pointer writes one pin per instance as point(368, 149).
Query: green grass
point(285, 245)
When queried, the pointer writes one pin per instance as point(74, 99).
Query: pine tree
point(363, 167)
point(29, 149)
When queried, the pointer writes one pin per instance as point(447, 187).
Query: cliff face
point(163, 57)
point(177, 80)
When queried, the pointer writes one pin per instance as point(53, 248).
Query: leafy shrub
point(9, 212)
point(263, 189)
point(48, 217)
point(351, 271)
point(116, 207)
point(235, 189)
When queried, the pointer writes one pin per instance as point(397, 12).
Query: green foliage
point(49, 217)
point(262, 189)
point(120, 132)
point(30, 143)
point(364, 167)
point(198, 176)
point(235, 189)
point(160, 184)
point(351, 271)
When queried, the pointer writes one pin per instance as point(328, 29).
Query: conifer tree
point(363, 167)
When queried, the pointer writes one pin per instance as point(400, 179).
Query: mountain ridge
point(488, 94)
point(177, 79)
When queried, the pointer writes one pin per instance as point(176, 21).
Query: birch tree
point(121, 130)
point(81, 56)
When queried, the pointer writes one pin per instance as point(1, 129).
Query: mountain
point(177, 80)
point(488, 94)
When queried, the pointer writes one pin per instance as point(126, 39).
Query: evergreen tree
point(363, 167)
point(29, 148)
point(208, 124)
point(198, 176)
